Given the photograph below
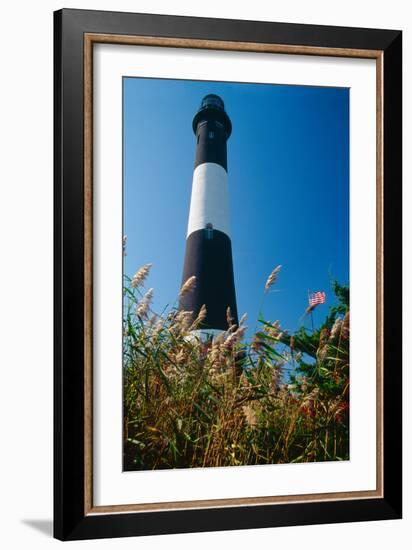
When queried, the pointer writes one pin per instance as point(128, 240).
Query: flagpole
point(311, 311)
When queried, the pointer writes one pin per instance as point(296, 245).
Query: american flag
point(316, 298)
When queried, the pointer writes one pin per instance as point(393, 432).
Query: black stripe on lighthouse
point(208, 246)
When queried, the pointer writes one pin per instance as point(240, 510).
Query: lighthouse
point(208, 254)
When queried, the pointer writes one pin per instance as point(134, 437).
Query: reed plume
point(229, 317)
point(345, 326)
point(182, 321)
point(243, 319)
point(234, 337)
point(140, 275)
point(188, 286)
point(336, 329)
point(272, 278)
point(201, 316)
point(144, 304)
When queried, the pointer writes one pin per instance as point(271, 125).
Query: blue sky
point(288, 170)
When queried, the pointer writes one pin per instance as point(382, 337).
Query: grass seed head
point(141, 275)
point(144, 304)
point(181, 322)
point(188, 286)
point(229, 317)
point(335, 329)
point(243, 319)
point(272, 277)
point(345, 327)
point(201, 316)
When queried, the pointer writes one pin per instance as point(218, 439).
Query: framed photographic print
point(227, 274)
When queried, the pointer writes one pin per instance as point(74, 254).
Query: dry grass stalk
point(182, 321)
point(201, 316)
point(243, 319)
point(229, 317)
point(273, 329)
point(188, 286)
point(335, 329)
point(250, 416)
point(144, 304)
point(158, 327)
point(345, 326)
point(272, 278)
point(141, 275)
point(235, 337)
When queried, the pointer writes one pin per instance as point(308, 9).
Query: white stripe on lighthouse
point(210, 201)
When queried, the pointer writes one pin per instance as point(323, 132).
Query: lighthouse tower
point(208, 246)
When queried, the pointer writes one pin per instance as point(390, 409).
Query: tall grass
point(191, 402)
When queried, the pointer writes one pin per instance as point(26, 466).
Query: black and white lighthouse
point(208, 246)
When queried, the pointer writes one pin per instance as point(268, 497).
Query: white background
point(26, 274)
point(111, 485)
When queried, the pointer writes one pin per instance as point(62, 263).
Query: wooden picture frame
point(75, 34)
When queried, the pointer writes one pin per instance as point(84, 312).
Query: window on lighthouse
point(211, 135)
point(209, 231)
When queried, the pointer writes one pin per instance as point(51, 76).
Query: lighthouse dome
point(212, 100)
point(212, 108)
